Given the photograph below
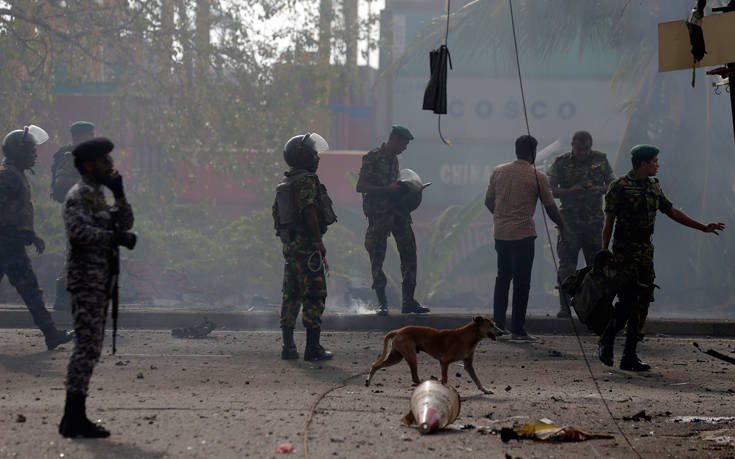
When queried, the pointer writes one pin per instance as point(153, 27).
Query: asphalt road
point(230, 395)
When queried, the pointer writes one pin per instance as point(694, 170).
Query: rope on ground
point(551, 247)
point(314, 405)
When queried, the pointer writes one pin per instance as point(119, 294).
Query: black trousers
point(515, 259)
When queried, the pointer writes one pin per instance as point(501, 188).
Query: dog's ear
point(477, 320)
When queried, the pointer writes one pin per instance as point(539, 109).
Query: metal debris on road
point(549, 432)
point(284, 448)
point(433, 406)
point(195, 332)
point(639, 416)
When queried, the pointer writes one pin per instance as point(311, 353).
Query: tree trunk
point(201, 38)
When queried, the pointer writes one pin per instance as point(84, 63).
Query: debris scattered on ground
point(725, 437)
point(284, 448)
point(433, 406)
point(715, 354)
point(195, 332)
point(508, 388)
point(20, 418)
point(549, 432)
point(639, 416)
point(705, 419)
point(139, 376)
point(120, 363)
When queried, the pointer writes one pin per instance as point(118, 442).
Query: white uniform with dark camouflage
point(90, 226)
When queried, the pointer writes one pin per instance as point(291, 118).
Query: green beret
point(80, 127)
point(92, 149)
point(644, 152)
point(402, 132)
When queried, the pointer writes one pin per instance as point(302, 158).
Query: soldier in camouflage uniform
point(95, 231)
point(63, 176)
point(579, 179)
point(302, 211)
point(630, 205)
point(379, 184)
point(16, 227)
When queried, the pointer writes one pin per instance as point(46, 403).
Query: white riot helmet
point(14, 142)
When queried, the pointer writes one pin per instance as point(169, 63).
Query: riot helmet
point(16, 144)
point(302, 150)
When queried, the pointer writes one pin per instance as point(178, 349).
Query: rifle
point(115, 294)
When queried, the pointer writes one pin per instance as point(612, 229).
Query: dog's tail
point(387, 346)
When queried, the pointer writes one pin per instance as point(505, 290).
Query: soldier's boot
point(288, 352)
point(33, 298)
point(61, 302)
point(382, 302)
point(55, 337)
point(409, 303)
point(564, 310)
point(630, 360)
point(314, 351)
point(74, 423)
point(605, 349)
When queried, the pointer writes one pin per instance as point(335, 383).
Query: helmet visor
point(35, 134)
point(316, 142)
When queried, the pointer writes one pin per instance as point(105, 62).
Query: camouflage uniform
point(582, 213)
point(63, 166)
point(380, 168)
point(634, 202)
point(304, 284)
point(16, 231)
point(90, 227)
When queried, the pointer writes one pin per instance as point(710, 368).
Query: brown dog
point(446, 346)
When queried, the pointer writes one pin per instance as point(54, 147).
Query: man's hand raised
point(714, 228)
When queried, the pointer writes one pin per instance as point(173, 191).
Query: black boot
point(630, 360)
point(409, 303)
point(606, 348)
point(314, 351)
point(75, 422)
point(382, 302)
point(288, 352)
point(55, 337)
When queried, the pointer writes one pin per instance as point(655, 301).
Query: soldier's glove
point(125, 239)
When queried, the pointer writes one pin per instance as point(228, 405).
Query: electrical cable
point(321, 263)
point(551, 248)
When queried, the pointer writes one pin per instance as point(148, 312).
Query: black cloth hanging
point(435, 95)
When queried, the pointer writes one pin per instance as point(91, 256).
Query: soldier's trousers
point(15, 264)
point(376, 240)
point(304, 287)
point(89, 309)
point(635, 259)
point(586, 239)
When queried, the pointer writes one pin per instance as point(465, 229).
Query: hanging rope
point(551, 247)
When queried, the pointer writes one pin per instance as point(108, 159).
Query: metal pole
point(731, 75)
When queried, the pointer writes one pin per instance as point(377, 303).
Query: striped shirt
point(512, 194)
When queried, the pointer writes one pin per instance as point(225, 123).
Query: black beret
point(644, 152)
point(92, 149)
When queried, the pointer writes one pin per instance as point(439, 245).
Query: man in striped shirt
point(511, 197)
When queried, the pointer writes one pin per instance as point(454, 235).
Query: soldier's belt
point(641, 235)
